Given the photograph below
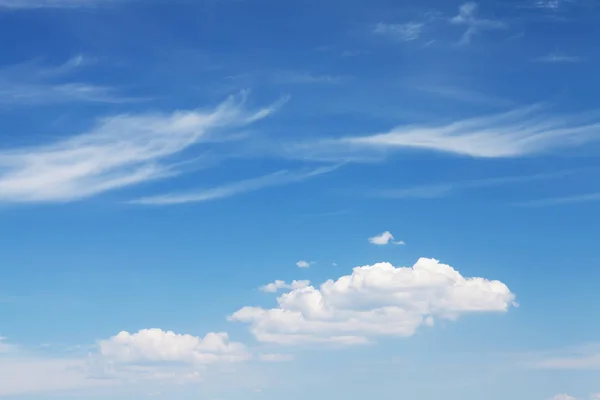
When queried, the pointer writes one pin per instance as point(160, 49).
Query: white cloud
point(515, 133)
point(232, 189)
point(595, 396)
point(304, 264)
point(384, 239)
point(21, 376)
point(556, 201)
point(276, 357)
point(376, 300)
point(559, 58)
point(33, 84)
point(467, 16)
point(404, 32)
point(274, 287)
point(119, 151)
point(156, 345)
point(291, 77)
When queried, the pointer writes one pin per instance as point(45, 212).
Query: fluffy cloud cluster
point(375, 300)
point(156, 345)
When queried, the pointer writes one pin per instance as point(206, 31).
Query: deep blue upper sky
point(178, 170)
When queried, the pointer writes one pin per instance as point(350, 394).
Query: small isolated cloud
point(375, 301)
point(156, 345)
point(468, 16)
point(276, 357)
point(403, 32)
point(384, 239)
point(274, 287)
point(304, 264)
point(559, 58)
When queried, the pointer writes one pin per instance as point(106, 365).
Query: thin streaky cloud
point(119, 151)
point(445, 189)
point(557, 201)
point(236, 188)
point(464, 95)
point(299, 78)
point(559, 58)
point(468, 16)
point(34, 84)
point(406, 32)
point(521, 132)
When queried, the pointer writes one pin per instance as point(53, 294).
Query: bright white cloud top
point(375, 300)
point(384, 239)
point(156, 345)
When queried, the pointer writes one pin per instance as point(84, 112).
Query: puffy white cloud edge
point(375, 300)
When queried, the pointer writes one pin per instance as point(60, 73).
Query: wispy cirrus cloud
point(248, 185)
point(559, 58)
point(468, 16)
point(561, 200)
point(517, 133)
point(32, 84)
point(118, 151)
point(299, 78)
point(406, 32)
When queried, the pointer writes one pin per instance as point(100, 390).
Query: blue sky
point(256, 199)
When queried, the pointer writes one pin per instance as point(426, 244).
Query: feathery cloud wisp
point(119, 151)
point(516, 133)
point(559, 58)
point(232, 189)
point(467, 16)
point(403, 32)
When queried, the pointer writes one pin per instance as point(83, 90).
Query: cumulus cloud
point(375, 300)
point(467, 16)
point(274, 287)
point(384, 239)
point(304, 264)
point(156, 345)
point(119, 151)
